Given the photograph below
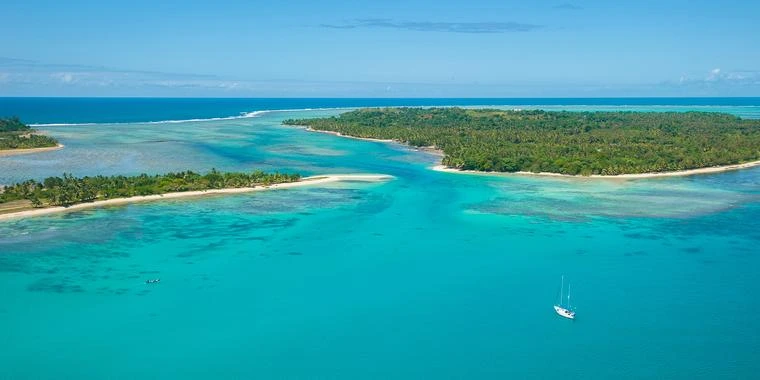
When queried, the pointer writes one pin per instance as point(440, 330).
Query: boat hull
point(562, 312)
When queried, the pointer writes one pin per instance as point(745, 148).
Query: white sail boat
point(564, 310)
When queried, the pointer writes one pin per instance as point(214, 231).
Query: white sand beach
point(307, 181)
point(710, 170)
point(429, 149)
point(352, 137)
point(13, 152)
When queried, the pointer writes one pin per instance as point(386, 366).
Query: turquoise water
point(430, 275)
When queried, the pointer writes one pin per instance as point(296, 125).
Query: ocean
point(127, 110)
point(428, 276)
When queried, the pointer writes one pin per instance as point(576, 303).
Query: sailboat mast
point(561, 288)
point(568, 296)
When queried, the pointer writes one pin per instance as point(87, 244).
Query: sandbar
point(13, 152)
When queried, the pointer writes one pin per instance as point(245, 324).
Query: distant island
point(18, 137)
point(569, 143)
point(57, 194)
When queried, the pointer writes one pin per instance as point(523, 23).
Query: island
point(57, 194)
point(17, 137)
point(559, 142)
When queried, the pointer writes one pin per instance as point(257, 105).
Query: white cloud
point(717, 76)
point(736, 76)
point(30, 74)
point(713, 75)
point(25, 78)
point(229, 85)
point(64, 77)
point(717, 82)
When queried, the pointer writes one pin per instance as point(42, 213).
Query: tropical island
point(17, 137)
point(55, 194)
point(569, 143)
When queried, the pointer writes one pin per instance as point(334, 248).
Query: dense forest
point(16, 135)
point(69, 190)
point(578, 143)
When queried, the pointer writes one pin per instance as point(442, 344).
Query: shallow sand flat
point(307, 181)
point(13, 152)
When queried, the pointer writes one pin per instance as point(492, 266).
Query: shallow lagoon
point(431, 275)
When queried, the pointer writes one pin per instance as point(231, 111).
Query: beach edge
point(678, 173)
point(443, 168)
point(306, 181)
point(14, 152)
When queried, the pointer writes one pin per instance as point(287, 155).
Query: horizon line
point(376, 97)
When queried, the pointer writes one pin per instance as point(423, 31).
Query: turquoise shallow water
point(431, 275)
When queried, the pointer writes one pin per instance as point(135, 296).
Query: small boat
point(564, 310)
point(153, 281)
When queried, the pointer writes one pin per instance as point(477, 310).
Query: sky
point(413, 48)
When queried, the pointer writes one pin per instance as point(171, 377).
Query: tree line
point(16, 135)
point(69, 190)
point(577, 143)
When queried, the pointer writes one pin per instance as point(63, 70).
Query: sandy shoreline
point(13, 152)
point(443, 168)
point(680, 173)
point(352, 137)
point(428, 149)
point(307, 181)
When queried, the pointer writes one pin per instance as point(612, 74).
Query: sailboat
point(564, 310)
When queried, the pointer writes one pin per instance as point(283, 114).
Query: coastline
point(306, 181)
point(429, 149)
point(679, 173)
point(442, 168)
point(13, 152)
point(352, 137)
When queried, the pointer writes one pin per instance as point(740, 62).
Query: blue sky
point(360, 48)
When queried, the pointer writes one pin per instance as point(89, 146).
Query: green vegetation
point(16, 135)
point(607, 143)
point(69, 190)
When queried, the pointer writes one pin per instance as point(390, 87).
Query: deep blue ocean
point(126, 110)
point(430, 275)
